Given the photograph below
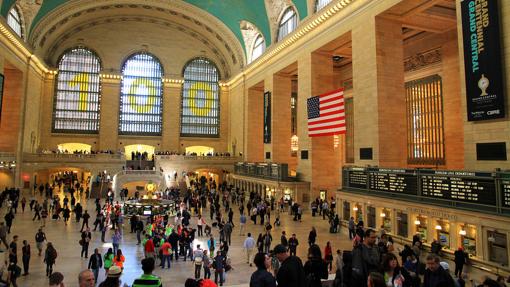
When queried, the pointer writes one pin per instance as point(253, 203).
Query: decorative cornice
point(422, 60)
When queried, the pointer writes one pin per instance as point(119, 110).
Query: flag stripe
point(326, 114)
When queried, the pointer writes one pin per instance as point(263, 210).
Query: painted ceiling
point(230, 12)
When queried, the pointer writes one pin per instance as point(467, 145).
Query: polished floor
point(65, 239)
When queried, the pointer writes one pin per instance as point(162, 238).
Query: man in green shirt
point(147, 279)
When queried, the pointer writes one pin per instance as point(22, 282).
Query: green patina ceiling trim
point(230, 12)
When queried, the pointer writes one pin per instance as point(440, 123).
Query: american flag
point(326, 114)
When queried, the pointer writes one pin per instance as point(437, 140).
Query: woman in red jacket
point(328, 256)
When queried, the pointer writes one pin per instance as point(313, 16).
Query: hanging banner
point(267, 117)
point(482, 60)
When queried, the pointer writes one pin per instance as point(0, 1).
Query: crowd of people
point(373, 260)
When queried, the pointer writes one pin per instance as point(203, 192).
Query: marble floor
point(65, 239)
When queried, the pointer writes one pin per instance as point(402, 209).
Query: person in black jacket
point(460, 260)
point(95, 263)
point(315, 268)
point(435, 275)
point(261, 277)
point(291, 272)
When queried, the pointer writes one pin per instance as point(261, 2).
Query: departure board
point(505, 193)
point(357, 178)
point(459, 186)
point(393, 180)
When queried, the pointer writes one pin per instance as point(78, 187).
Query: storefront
point(421, 227)
point(358, 212)
point(468, 239)
point(386, 220)
point(497, 245)
point(346, 211)
point(443, 233)
point(402, 225)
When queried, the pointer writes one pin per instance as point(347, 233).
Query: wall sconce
point(417, 222)
point(462, 232)
point(438, 227)
point(355, 208)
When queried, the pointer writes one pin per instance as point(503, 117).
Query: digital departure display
point(393, 180)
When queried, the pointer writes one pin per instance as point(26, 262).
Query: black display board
point(267, 117)
point(482, 60)
point(357, 178)
point(393, 180)
point(459, 186)
point(505, 193)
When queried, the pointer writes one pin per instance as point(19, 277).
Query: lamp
point(417, 222)
point(383, 214)
point(438, 227)
point(355, 208)
point(462, 232)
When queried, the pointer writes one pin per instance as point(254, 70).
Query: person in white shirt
point(200, 224)
point(249, 246)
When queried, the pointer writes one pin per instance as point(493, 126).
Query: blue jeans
point(167, 259)
point(115, 247)
point(96, 274)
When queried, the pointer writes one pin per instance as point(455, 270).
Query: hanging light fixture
point(417, 222)
point(383, 214)
point(462, 232)
point(355, 208)
point(438, 227)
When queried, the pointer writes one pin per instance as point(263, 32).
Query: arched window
point(200, 99)
point(141, 96)
point(259, 46)
point(319, 4)
point(287, 24)
point(77, 98)
point(14, 21)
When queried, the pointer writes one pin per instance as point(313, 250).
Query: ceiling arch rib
point(197, 23)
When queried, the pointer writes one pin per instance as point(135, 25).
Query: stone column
point(171, 116)
point(255, 126)
point(109, 124)
point(281, 124)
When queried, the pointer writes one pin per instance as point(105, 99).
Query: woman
point(108, 260)
point(315, 268)
point(119, 259)
point(50, 255)
point(312, 236)
point(260, 243)
point(211, 244)
point(394, 275)
point(116, 238)
point(262, 277)
point(375, 280)
point(328, 256)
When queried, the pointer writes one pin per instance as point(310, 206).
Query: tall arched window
point(200, 99)
point(319, 4)
point(259, 46)
point(287, 24)
point(141, 96)
point(14, 21)
point(77, 98)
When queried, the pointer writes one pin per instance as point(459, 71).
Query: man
point(435, 275)
point(242, 223)
point(138, 229)
point(284, 240)
point(291, 272)
point(198, 257)
point(293, 244)
point(3, 234)
point(86, 217)
point(149, 248)
point(86, 236)
point(95, 263)
point(249, 246)
point(86, 278)
point(25, 257)
point(352, 232)
point(166, 250)
point(147, 279)
point(460, 260)
point(227, 229)
point(57, 280)
point(365, 259)
point(13, 250)
point(267, 239)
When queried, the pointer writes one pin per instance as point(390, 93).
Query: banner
point(482, 60)
point(267, 117)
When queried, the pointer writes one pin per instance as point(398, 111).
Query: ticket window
point(371, 217)
point(346, 210)
point(443, 233)
point(468, 239)
point(386, 220)
point(498, 251)
point(402, 224)
point(358, 212)
point(421, 227)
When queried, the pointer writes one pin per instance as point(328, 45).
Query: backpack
point(53, 253)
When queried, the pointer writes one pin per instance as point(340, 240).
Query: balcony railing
point(51, 157)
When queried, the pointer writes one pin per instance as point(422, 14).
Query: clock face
point(483, 82)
